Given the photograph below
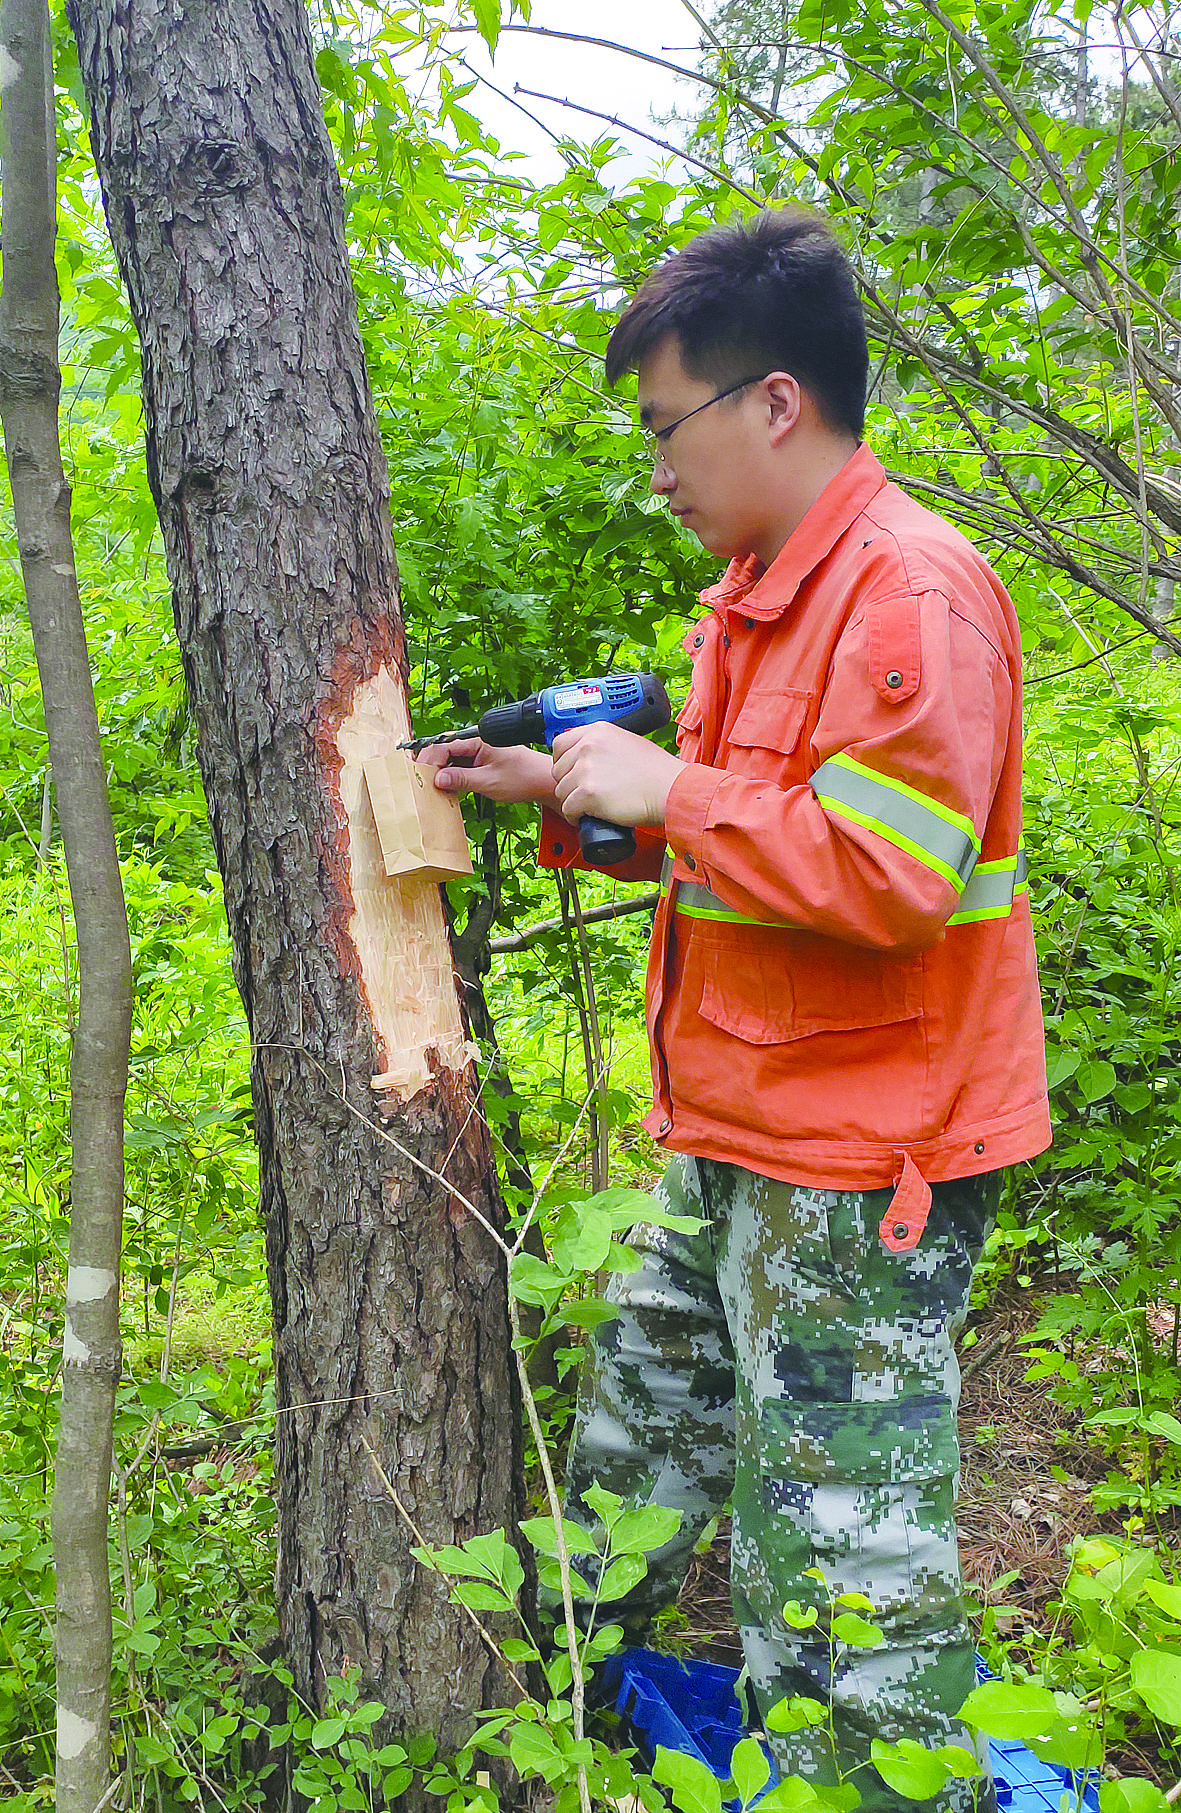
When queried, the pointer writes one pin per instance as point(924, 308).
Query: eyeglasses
point(658, 437)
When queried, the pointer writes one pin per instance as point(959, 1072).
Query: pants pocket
point(872, 1488)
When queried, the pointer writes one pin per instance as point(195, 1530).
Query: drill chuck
point(506, 726)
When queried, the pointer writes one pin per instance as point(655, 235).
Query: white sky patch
point(605, 80)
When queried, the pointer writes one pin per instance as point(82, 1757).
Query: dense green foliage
point(531, 548)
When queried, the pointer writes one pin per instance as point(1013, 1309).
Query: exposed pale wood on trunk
point(397, 925)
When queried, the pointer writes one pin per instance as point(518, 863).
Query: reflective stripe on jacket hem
point(934, 835)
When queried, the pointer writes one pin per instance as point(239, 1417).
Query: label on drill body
point(577, 698)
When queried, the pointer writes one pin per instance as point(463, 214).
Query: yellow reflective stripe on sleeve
point(992, 889)
point(989, 893)
point(697, 902)
point(933, 834)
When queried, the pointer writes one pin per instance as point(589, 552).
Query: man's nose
point(664, 479)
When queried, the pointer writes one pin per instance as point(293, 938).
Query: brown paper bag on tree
point(420, 829)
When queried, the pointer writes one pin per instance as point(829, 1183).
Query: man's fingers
point(437, 754)
point(455, 778)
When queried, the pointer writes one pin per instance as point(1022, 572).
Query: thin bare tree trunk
point(392, 1344)
point(92, 1360)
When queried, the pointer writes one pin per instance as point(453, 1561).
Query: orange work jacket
point(842, 987)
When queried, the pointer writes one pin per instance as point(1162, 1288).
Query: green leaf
point(749, 1769)
point(694, 1787)
point(452, 1560)
point(1156, 1677)
point(1159, 1422)
point(1061, 1067)
point(800, 1617)
point(142, 1642)
point(796, 1713)
point(962, 1764)
point(534, 1752)
point(1131, 1795)
point(541, 1533)
point(606, 1505)
point(366, 1714)
point(639, 1532)
point(588, 1313)
point(790, 1796)
point(1071, 1741)
point(495, 1556)
point(857, 1632)
point(909, 1768)
point(1165, 1596)
point(533, 1281)
point(603, 1641)
point(487, 17)
point(549, 1575)
point(327, 1732)
point(149, 1749)
point(621, 1576)
point(1096, 1079)
point(482, 1596)
point(1010, 1710)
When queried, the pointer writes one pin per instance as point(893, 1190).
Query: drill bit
point(444, 736)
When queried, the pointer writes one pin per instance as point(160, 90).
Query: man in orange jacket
point(843, 1009)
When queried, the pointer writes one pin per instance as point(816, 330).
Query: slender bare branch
point(614, 909)
point(612, 119)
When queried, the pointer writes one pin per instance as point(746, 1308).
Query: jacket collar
point(765, 592)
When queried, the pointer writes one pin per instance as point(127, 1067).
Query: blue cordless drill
point(636, 701)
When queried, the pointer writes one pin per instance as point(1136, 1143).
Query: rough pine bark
point(391, 1337)
point(91, 1354)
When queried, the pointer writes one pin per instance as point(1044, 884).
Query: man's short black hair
point(771, 294)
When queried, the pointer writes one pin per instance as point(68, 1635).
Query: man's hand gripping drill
point(603, 775)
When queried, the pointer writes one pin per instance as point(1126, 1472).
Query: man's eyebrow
point(646, 414)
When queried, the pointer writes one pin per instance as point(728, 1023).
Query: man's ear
point(787, 404)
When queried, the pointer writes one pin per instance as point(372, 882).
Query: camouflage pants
point(782, 1357)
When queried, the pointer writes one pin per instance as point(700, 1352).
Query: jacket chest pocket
point(767, 737)
point(767, 987)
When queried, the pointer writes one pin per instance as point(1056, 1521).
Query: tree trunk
point(91, 1355)
point(391, 1335)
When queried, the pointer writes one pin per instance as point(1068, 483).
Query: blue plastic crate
point(1024, 1784)
point(692, 1707)
point(687, 1706)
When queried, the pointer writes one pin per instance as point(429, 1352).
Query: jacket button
point(894, 678)
point(979, 1146)
point(559, 849)
point(900, 1230)
point(698, 640)
point(689, 863)
point(665, 1125)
